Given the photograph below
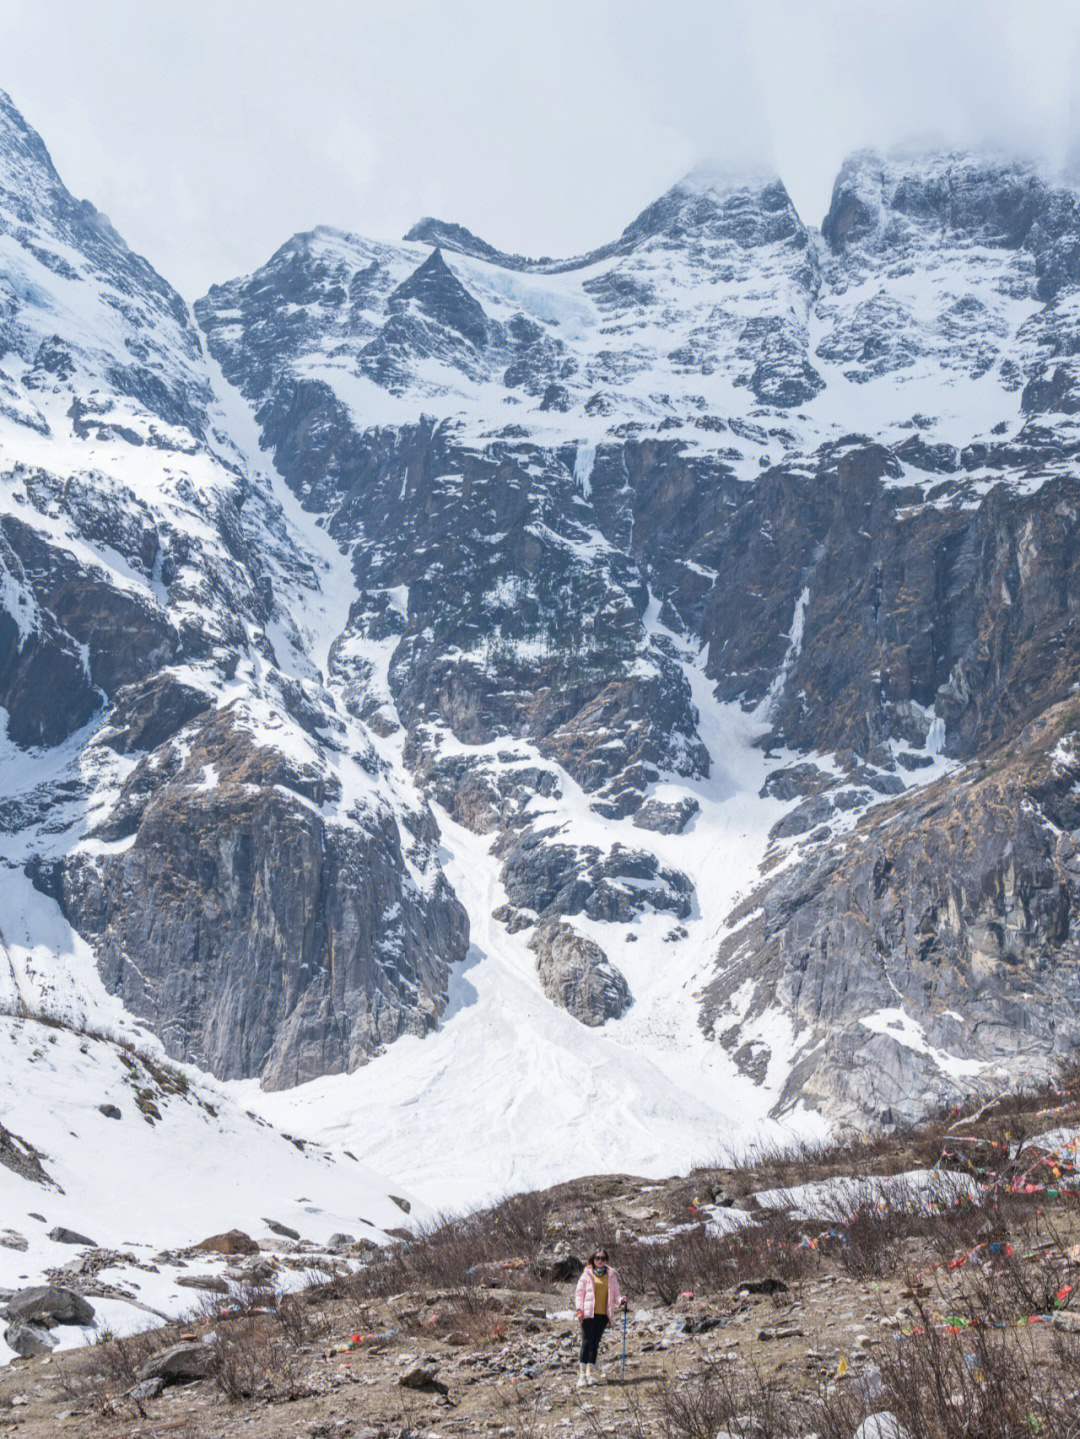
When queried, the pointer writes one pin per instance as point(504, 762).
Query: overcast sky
point(211, 130)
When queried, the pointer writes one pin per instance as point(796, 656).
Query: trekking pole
point(623, 1380)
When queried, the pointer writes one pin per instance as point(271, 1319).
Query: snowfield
point(140, 1184)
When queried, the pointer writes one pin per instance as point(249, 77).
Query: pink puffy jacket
point(585, 1294)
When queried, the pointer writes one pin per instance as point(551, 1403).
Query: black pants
point(591, 1330)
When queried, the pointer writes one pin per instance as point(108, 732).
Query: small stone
point(148, 1388)
point(12, 1239)
point(110, 1111)
point(281, 1230)
point(423, 1380)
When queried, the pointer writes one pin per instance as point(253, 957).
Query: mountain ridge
point(615, 594)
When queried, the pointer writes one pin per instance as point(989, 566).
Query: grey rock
point(148, 1388)
point(110, 1111)
point(210, 1283)
point(795, 781)
point(884, 1425)
point(424, 1380)
point(28, 1340)
point(22, 1158)
point(179, 1364)
point(281, 1230)
point(341, 1241)
point(49, 1305)
point(666, 817)
point(576, 973)
point(803, 817)
point(557, 1265)
point(256, 1270)
point(60, 1235)
point(12, 1239)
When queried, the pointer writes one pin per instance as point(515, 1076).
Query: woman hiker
point(596, 1299)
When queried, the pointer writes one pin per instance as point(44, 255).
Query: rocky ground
point(930, 1277)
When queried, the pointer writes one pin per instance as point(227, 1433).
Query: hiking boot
point(581, 1377)
point(590, 1373)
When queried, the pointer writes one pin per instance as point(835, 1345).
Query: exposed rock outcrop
point(577, 974)
point(273, 937)
point(932, 950)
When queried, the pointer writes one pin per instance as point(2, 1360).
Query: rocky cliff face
point(839, 497)
point(254, 881)
point(930, 949)
point(724, 545)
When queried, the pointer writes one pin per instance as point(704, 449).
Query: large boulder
point(235, 1241)
point(179, 1364)
point(28, 1340)
point(60, 1235)
point(576, 973)
point(49, 1305)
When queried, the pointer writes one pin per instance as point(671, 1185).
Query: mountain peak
point(973, 191)
point(750, 207)
point(444, 235)
point(441, 296)
point(719, 177)
point(27, 166)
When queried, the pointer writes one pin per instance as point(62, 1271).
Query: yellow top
point(600, 1287)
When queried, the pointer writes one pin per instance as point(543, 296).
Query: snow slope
point(137, 1187)
point(511, 1092)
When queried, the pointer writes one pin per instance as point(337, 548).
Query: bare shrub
point(699, 1258)
point(250, 1360)
point(518, 1224)
point(991, 1385)
point(300, 1322)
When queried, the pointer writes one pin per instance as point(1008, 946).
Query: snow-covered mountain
point(520, 716)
